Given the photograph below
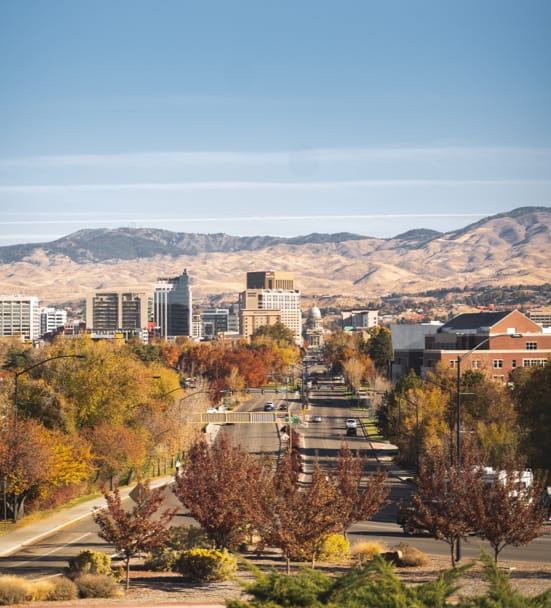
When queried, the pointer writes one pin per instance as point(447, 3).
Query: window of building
point(498, 378)
point(513, 363)
point(452, 363)
point(475, 364)
point(531, 346)
point(533, 362)
point(498, 363)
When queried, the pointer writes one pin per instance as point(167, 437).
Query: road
point(322, 441)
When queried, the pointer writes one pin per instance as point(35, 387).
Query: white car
point(351, 423)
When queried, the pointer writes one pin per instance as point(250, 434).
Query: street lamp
point(15, 415)
point(460, 358)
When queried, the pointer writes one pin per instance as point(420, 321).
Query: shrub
point(90, 562)
point(63, 589)
point(335, 548)
point(365, 551)
point(39, 591)
point(182, 538)
point(162, 561)
point(411, 556)
point(13, 590)
point(97, 585)
point(206, 565)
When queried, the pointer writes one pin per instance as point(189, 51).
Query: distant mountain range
point(507, 249)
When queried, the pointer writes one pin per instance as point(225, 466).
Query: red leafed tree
point(296, 520)
point(359, 499)
point(446, 501)
point(220, 485)
point(510, 513)
point(135, 530)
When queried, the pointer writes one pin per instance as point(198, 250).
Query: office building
point(172, 306)
point(52, 319)
point(268, 295)
point(117, 312)
point(20, 317)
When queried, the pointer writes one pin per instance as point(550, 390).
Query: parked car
point(316, 418)
point(351, 431)
point(268, 406)
point(351, 423)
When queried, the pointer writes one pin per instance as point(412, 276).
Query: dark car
point(351, 432)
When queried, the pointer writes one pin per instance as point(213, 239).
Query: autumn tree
point(353, 371)
point(508, 511)
point(358, 500)
point(135, 530)
point(444, 503)
point(219, 486)
point(294, 519)
point(34, 461)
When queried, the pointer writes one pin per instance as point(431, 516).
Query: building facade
point(172, 306)
point(258, 301)
point(52, 319)
point(117, 312)
point(359, 319)
point(20, 317)
point(499, 341)
point(314, 332)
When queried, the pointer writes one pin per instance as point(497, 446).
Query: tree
point(278, 332)
point(220, 485)
point(445, 501)
point(357, 503)
point(136, 530)
point(379, 347)
point(508, 512)
point(532, 395)
point(297, 520)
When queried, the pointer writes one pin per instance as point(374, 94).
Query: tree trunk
point(128, 573)
point(288, 560)
point(452, 551)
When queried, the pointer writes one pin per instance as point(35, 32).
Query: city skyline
point(283, 119)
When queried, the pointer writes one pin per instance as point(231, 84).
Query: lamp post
point(16, 411)
point(460, 358)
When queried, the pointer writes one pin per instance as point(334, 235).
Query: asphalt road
point(322, 441)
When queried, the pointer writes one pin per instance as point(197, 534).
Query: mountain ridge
point(505, 249)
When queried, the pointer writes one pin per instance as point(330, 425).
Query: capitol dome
point(314, 313)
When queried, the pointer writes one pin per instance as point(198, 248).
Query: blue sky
point(282, 117)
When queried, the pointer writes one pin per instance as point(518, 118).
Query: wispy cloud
point(261, 185)
point(277, 157)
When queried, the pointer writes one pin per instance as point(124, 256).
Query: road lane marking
point(76, 540)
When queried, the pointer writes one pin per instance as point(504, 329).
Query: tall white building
point(52, 319)
point(20, 317)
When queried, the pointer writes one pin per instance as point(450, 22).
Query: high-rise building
point(109, 313)
point(20, 317)
point(51, 319)
point(271, 279)
point(273, 294)
point(172, 306)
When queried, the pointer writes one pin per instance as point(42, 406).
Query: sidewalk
point(13, 541)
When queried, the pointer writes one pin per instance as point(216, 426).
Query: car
point(212, 410)
point(351, 423)
point(283, 407)
point(352, 431)
point(316, 418)
point(269, 406)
